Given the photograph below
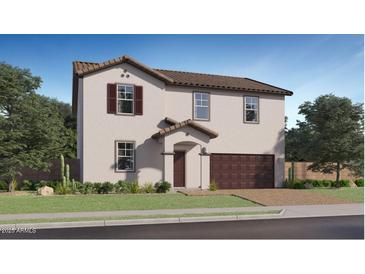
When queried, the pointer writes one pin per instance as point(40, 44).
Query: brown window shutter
point(138, 100)
point(111, 98)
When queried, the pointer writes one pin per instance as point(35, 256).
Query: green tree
point(69, 134)
point(31, 126)
point(334, 128)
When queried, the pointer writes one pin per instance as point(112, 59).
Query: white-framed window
point(251, 109)
point(125, 99)
point(201, 106)
point(125, 156)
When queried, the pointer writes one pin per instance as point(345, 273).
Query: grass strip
point(139, 217)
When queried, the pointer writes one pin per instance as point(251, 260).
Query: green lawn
point(353, 195)
point(136, 217)
point(74, 203)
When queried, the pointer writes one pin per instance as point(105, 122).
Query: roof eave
point(284, 92)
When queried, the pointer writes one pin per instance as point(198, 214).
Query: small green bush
point(213, 186)
point(326, 183)
point(122, 187)
point(359, 182)
point(106, 187)
point(33, 185)
point(162, 187)
point(148, 188)
point(134, 187)
point(342, 183)
point(97, 188)
point(27, 185)
point(3, 186)
point(297, 184)
point(85, 188)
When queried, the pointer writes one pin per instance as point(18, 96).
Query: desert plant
point(148, 188)
point(67, 174)
point(162, 187)
point(213, 185)
point(62, 189)
point(359, 182)
point(62, 164)
point(134, 187)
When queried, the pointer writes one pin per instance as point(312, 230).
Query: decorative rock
point(45, 191)
point(308, 185)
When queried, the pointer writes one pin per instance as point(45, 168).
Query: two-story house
point(139, 123)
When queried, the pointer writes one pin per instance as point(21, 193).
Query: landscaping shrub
point(213, 186)
point(97, 188)
point(359, 182)
point(134, 187)
point(3, 186)
point(86, 188)
point(122, 187)
point(162, 187)
point(148, 188)
point(28, 185)
point(315, 183)
point(32, 185)
point(342, 183)
point(107, 187)
point(326, 183)
point(297, 184)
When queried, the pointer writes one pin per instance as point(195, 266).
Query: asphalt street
point(344, 227)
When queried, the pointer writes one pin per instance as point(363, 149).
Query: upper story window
point(251, 109)
point(125, 99)
point(125, 156)
point(201, 106)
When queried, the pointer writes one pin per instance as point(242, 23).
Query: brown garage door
point(242, 170)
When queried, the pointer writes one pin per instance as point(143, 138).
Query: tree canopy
point(331, 136)
point(33, 128)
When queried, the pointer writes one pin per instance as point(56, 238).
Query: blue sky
point(309, 65)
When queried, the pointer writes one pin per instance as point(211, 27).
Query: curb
point(105, 223)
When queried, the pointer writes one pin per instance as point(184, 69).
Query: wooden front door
point(179, 169)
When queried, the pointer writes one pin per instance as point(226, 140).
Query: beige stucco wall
point(226, 117)
point(100, 130)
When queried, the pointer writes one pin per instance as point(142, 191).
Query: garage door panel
point(242, 170)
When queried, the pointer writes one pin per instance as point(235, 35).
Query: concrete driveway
point(273, 197)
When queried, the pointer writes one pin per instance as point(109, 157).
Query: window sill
point(201, 120)
point(125, 114)
point(125, 171)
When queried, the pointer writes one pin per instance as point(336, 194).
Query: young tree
point(31, 127)
point(335, 127)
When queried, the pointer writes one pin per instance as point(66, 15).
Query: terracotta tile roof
point(84, 68)
point(187, 123)
point(181, 78)
point(176, 78)
point(192, 79)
